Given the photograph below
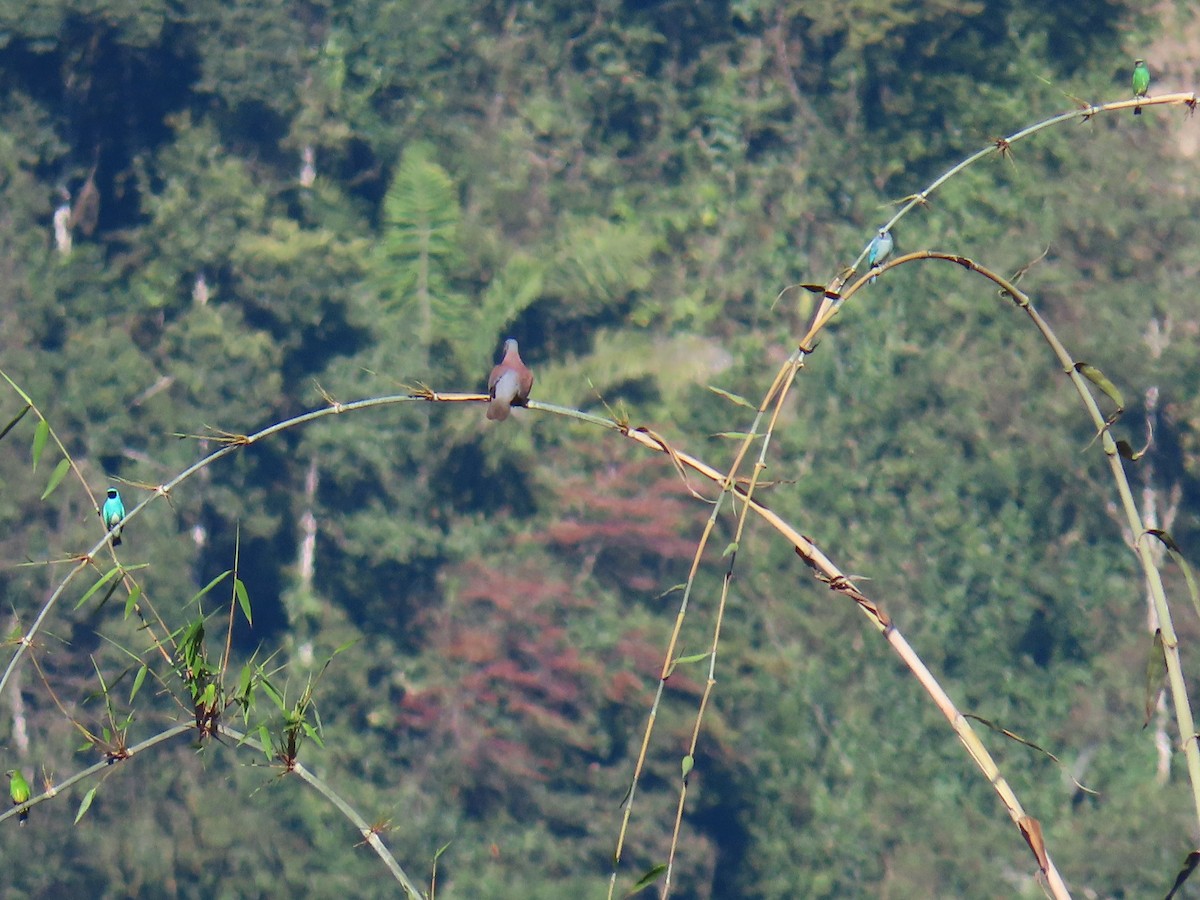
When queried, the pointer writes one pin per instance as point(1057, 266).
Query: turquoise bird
point(18, 789)
point(881, 246)
point(1141, 82)
point(113, 513)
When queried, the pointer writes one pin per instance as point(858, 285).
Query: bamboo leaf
point(132, 599)
point(1156, 673)
point(1125, 449)
point(239, 589)
point(648, 879)
point(264, 740)
point(275, 696)
point(208, 587)
point(20, 393)
point(56, 477)
point(1189, 866)
point(1011, 735)
point(137, 682)
point(733, 398)
point(85, 805)
point(1098, 378)
point(13, 424)
point(192, 642)
point(1032, 829)
point(103, 580)
point(1176, 554)
point(39, 441)
point(245, 681)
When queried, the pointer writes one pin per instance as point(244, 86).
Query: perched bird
point(113, 513)
point(881, 246)
point(1141, 82)
point(18, 789)
point(509, 384)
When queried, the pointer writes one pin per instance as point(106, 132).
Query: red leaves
point(623, 522)
point(514, 699)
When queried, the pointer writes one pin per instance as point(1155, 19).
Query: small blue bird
point(881, 246)
point(114, 512)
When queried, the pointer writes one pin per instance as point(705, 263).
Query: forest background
point(268, 206)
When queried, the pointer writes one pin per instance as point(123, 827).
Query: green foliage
point(417, 252)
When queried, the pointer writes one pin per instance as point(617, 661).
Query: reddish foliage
point(520, 702)
point(626, 520)
point(625, 687)
point(513, 701)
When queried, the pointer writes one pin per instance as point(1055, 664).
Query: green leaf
point(1098, 378)
point(132, 599)
point(39, 441)
point(1176, 554)
point(56, 477)
point(685, 660)
point(1165, 537)
point(244, 682)
point(648, 879)
point(740, 401)
point(275, 696)
point(192, 640)
point(239, 589)
point(16, 387)
point(137, 682)
point(689, 763)
point(208, 587)
point(85, 805)
point(13, 424)
point(103, 580)
point(737, 435)
point(264, 740)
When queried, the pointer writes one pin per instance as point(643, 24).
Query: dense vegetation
point(265, 208)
